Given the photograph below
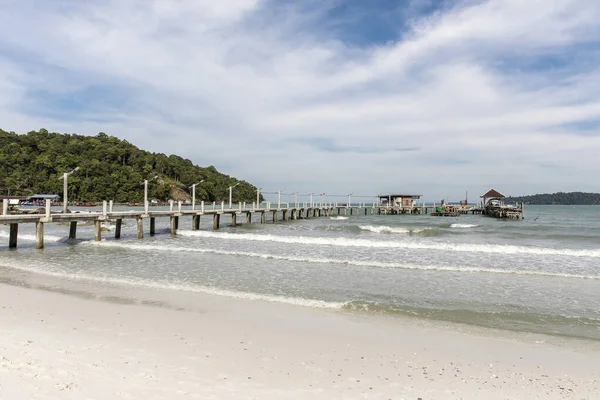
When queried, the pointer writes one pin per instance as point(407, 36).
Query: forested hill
point(109, 169)
point(572, 198)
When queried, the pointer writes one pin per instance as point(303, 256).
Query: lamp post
point(146, 194)
point(349, 201)
point(296, 199)
point(279, 199)
point(311, 202)
point(258, 197)
point(194, 194)
point(230, 192)
point(65, 179)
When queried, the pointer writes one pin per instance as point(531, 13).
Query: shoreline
point(57, 345)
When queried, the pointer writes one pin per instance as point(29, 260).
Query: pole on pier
point(5, 207)
point(216, 221)
point(170, 205)
point(65, 177)
point(233, 220)
point(202, 206)
point(146, 197)
point(118, 224)
point(12, 238)
point(110, 206)
point(104, 208)
point(152, 226)
point(179, 206)
point(140, 227)
point(97, 230)
point(73, 230)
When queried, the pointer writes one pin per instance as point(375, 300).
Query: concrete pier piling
point(73, 230)
point(152, 226)
point(12, 237)
point(196, 222)
point(262, 217)
point(248, 217)
point(233, 220)
point(118, 224)
point(97, 230)
point(140, 228)
point(216, 221)
point(173, 225)
point(39, 235)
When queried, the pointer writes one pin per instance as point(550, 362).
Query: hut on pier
point(399, 200)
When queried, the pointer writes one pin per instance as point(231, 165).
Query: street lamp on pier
point(194, 194)
point(279, 199)
point(230, 192)
point(146, 194)
point(258, 197)
point(65, 179)
point(349, 199)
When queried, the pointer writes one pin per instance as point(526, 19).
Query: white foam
point(298, 301)
point(47, 238)
point(372, 264)
point(421, 245)
point(389, 229)
point(338, 218)
point(463, 226)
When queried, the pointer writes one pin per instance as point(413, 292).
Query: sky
point(337, 96)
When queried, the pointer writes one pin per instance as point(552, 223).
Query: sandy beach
point(60, 346)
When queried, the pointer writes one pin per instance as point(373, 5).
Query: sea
point(539, 275)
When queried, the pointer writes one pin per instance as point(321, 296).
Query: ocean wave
point(463, 226)
point(47, 238)
point(390, 229)
point(338, 218)
point(441, 246)
point(297, 301)
point(317, 260)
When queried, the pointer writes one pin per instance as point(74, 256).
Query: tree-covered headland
point(109, 169)
point(560, 198)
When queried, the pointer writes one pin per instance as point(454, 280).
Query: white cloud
point(489, 92)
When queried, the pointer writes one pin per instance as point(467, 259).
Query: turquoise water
point(540, 275)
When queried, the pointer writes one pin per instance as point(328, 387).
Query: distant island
point(109, 169)
point(560, 198)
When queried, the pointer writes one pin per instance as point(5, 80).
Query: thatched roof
point(492, 193)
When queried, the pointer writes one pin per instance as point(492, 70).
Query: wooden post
point(233, 219)
point(248, 217)
point(152, 226)
point(216, 221)
point(285, 215)
point(274, 217)
point(118, 224)
point(140, 227)
point(294, 214)
point(196, 222)
point(262, 217)
point(176, 222)
point(5, 207)
point(110, 206)
point(73, 230)
point(12, 238)
point(173, 225)
point(98, 230)
point(522, 210)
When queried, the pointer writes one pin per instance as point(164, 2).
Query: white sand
point(56, 346)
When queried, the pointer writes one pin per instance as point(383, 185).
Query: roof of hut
point(492, 193)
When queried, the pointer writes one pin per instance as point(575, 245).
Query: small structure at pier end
point(401, 203)
point(493, 205)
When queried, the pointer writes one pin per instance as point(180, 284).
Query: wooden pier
point(281, 212)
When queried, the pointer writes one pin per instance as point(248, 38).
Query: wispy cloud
point(489, 92)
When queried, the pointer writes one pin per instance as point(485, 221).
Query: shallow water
point(541, 274)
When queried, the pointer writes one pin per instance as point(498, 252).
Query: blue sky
point(436, 97)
